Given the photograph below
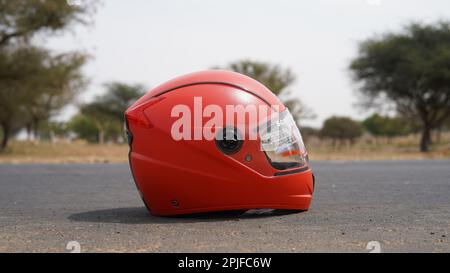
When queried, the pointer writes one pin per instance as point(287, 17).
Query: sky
point(151, 42)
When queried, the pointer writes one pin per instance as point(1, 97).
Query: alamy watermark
point(373, 247)
point(250, 120)
point(73, 247)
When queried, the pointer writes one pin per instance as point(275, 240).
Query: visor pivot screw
point(175, 203)
point(228, 141)
point(248, 158)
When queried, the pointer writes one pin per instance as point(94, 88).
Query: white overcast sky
point(150, 42)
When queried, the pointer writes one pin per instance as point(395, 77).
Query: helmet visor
point(282, 142)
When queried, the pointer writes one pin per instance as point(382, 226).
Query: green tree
point(52, 130)
point(386, 126)
point(410, 69)
point(277, 80)
point(374, 125)
point(118, 98)
point(101, 119)
point(341, 128)
point(22, 19)
point(106, 111)
point(58, 82)
point(34, 83)
point(18, 70)
point(84, 127)
point(273, 77)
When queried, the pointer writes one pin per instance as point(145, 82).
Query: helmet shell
point(191, 176)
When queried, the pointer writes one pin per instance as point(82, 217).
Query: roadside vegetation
point(364, 148)
point(404, 78)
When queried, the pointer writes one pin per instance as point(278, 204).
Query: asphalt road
point(403, 205)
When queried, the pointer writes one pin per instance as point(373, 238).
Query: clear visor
point(282, 142)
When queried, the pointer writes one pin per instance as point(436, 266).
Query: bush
point(341, 128)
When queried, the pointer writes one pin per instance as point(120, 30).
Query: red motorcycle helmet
point(190, 153)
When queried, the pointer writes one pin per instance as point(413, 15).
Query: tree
point(58, 82)
point(33, 82)
point(34, 85)
point(298, 110)
point(95, 111)
point(386, 126)
point(272, 76)
point(106, 111)
point(309, 132)
point(341, 128)
point(18, 70)
point(22, 19)
point(84, 127)
point(410, 69)
point(277, 80)
point(53, 130)
point(119, 97)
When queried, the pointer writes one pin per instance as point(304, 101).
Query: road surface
point(404, 206)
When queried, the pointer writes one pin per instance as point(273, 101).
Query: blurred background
point(365, 79)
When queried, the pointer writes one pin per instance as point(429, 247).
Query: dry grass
point(64, 152)
point(405, 148)
point(368, 153)
point(369, 148)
